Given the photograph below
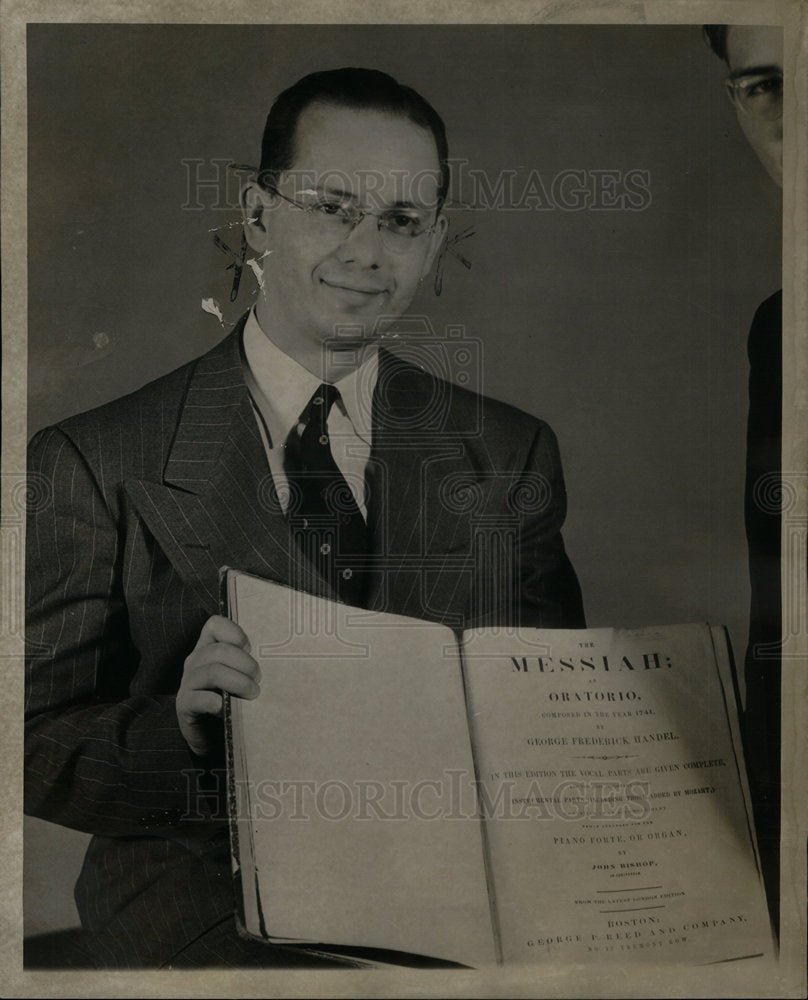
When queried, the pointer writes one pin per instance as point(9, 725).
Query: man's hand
point(220, 661)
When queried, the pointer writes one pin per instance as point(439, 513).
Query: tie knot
point(319, 406)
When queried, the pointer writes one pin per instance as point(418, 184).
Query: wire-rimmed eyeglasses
point(758, 94)
point(337, 218)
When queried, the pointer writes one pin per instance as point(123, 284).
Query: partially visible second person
point(754, 55)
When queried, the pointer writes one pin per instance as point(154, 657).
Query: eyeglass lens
point(398, 231)
point(761, 96)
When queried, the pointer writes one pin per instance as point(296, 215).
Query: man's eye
point(330, 208)
point(400, 222)
point(768, 87)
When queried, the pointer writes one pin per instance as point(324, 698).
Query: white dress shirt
point(281, 389)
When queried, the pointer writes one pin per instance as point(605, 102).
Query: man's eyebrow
point(739, 74)
point(349, 196)
point(337, 193)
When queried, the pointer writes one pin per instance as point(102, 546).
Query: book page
point(618, 826)
point(354, 749)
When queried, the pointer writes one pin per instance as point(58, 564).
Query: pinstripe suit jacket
point(146, 498)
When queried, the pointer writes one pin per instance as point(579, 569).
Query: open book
point(530, 796)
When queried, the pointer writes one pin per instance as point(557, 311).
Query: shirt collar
point(287, 386)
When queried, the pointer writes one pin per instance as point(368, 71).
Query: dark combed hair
point(350, 88)
point(716, 37)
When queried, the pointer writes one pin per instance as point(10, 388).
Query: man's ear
point(253, 200)
point(436, 237)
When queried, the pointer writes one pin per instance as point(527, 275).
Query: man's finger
point(204, 703)
point(220, 677)
point(222, 652)
point(220, 629)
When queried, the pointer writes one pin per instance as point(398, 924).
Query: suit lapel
point(217, 506)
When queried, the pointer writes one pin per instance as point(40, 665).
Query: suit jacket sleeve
point(98, 757)
point(549, 595)
point(523, 576)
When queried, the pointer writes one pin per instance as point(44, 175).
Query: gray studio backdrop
point(624, 234)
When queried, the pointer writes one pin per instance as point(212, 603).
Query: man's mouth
point(355, 288)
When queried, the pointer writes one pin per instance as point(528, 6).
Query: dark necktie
point(323, 515)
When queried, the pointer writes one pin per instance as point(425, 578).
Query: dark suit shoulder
point(510, 418)
point(433, 400)
point(415, 404)
point(503, 429)
point(132, 435)
point(765, 334)
point(770, 310)
point(163, 394)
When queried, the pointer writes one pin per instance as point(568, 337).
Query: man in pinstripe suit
point(153, 493)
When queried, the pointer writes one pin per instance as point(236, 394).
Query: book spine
point(493, 910)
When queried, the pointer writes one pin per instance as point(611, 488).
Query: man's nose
point(363, 244)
